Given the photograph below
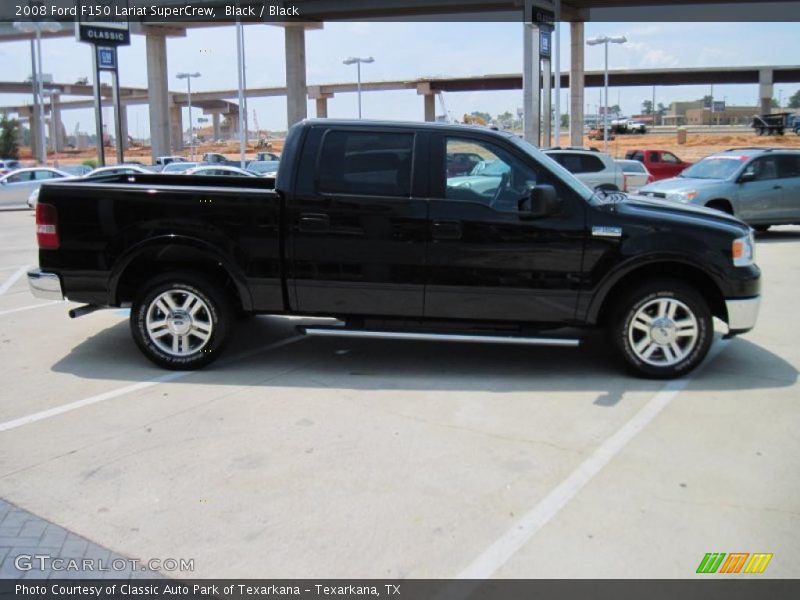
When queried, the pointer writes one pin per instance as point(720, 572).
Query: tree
point(774, 103)
point(9, 128)
point(483, 115)
point(707, 100)
point(794, 100)
point(647, 107)
point(615, 110)
point(564, 120)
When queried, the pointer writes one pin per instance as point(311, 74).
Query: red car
point(660, 163)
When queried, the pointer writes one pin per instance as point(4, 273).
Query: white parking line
point(135, 387)
point(13, 279)
point(29, 307)
point(501, 551)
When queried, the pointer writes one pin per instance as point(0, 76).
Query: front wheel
point(181, 321)
point(663, 329)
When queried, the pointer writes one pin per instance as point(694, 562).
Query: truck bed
point(114, 229)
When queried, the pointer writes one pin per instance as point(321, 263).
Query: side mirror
point(542, 202)
point(747, 176)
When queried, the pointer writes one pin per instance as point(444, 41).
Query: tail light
point(650, 179)
point(47, 226)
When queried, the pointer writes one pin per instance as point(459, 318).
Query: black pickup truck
point(370, 223)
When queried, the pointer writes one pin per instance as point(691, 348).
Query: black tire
point(214, 320)
point(627, 337)
point(761, 228)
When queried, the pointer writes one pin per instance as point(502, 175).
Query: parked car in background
point(117, 170)
point(462, 163)
point(219, 171)
point(636, 175)
point(76, 170)
point(16, 186)
point(215, 158)
point(9, 164)
point(592, 167)
point(264, 168)
point(660, 163)
point(759, 186)
point(267, 156)
point(179, 167)
point(163, 161)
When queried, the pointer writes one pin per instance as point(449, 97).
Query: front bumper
point(742, 313)
point(45, 285)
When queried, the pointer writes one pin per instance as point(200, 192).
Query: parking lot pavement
point(319, 457)
point(25, 538)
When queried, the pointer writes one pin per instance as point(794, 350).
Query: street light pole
point(357, 61)
point(605, 40)
point(188, 77)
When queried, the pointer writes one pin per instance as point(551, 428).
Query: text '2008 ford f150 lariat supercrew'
point(373, 223)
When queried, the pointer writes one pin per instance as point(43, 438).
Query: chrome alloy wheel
point(663, 332)
point(179, 322)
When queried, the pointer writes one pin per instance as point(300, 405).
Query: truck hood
point(654, 208)
point(680, 184)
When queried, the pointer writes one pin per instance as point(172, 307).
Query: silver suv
point(761, 186)
point(592, 167)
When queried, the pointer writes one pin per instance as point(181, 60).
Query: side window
point(638, 156)
point(668, 157)
point(788, 165)
point(20, 177)
point(764, 168)
point(591, 164)
point(571, 162)
point(366, 163)
point(654, 157)
point(44, 175)
point(500, 180)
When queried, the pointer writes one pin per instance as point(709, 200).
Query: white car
point(17, 186)
point(597, 170)
point(636, 175)
point(179, 167)
point(219, 170)
point(118, 170)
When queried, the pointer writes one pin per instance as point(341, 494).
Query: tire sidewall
point(698, 307)
point(218, 312)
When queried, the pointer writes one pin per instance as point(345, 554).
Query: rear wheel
point(181, 321)
point(761, 228)
point(662, 329)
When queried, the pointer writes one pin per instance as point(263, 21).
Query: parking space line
point(501, 551)
point(13, 279)
point(28, 307)
point(135, 387)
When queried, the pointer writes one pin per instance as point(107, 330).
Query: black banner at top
point(253, 11)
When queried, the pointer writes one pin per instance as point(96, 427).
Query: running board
point(440, 337)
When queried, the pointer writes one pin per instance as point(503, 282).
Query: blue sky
point(411, 50)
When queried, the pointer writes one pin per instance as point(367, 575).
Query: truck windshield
point(713, 168)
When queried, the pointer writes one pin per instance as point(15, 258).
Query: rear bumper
point(742, 313)
point(45, 285)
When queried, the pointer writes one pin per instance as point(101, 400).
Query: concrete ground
point(319, 457)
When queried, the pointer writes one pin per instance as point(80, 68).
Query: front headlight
point(743, 250)
point(682, 196)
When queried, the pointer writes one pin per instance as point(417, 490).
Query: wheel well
point(160, 260)
point(607, 186)
point(699, 280)
point(721, 204)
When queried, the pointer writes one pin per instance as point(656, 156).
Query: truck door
point(487, 258)
point(789, 173)
point(357, 223)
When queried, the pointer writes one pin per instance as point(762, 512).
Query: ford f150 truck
point(364, 224)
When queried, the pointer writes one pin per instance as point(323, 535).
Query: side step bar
point(439, 337)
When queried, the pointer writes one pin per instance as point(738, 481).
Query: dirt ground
point(696, 147)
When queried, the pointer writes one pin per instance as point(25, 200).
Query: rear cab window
point(365, 163)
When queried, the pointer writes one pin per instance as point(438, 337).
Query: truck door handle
point(446, 230)
point(778, 187)
point(314, 222)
